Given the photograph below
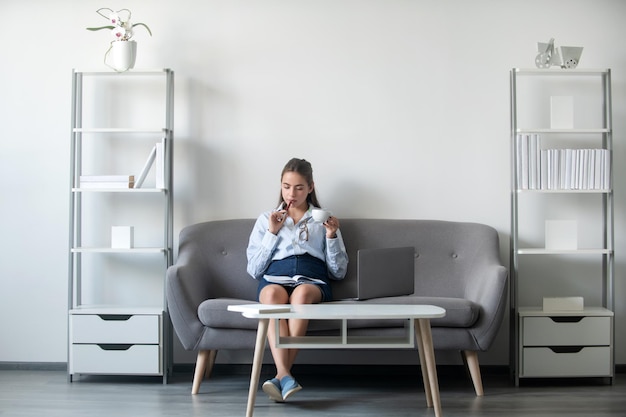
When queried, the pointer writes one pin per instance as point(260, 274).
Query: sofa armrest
point(211, 264)
point(186, 287)
point(487, 286)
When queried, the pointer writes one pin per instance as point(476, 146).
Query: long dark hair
point(304, 168)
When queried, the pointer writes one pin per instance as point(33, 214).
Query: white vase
point(121, 55)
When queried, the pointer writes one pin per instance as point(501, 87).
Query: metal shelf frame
point(607, 251)
point(76, 249)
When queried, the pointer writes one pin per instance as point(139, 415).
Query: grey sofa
point(457, 266)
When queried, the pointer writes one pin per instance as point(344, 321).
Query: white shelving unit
point(117, 314)
point(563, 343)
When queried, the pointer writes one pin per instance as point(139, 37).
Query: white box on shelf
point(563, 303)
point(562, 112)
point(562, 234)
point(122, 237)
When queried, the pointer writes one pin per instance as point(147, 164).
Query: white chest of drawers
point(116, 342)
point(566, 344)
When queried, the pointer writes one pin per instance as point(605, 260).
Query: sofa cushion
point(213, 313)
point(459, 313)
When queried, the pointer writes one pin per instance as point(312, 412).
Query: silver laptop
point(385, 272)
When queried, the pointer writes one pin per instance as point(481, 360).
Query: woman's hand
point(331, 225)
point(276, 221)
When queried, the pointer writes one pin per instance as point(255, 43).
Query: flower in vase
point(120, 24)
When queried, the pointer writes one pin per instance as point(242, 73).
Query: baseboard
point(33, 366)
point(304, 368)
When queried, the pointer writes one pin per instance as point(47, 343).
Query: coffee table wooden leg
point(259, 350)
point(429, 356)
point(420, 350)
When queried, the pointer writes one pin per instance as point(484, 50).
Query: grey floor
point(48, 394)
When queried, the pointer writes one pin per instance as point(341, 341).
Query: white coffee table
point(418, 328)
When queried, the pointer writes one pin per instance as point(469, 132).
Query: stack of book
point(107, 181)
point(560, 169)
point(575, 169)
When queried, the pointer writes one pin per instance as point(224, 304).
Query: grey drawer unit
point(128, 343)
point(566, 344)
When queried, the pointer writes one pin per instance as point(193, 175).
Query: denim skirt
point(306, 265)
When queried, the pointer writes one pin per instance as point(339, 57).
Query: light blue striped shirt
point(264, 247)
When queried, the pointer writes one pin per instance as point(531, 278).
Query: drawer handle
point(111, 346)
point(566, 349)
point(115, 317)
point(567, 319)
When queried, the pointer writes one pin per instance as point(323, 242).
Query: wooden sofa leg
point(471, 359)
point(204, 366)
point(210, 363)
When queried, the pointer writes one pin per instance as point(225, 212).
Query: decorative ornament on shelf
point(563, 56)
point(123, 51)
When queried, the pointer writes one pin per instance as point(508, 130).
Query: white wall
point(402, 107)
